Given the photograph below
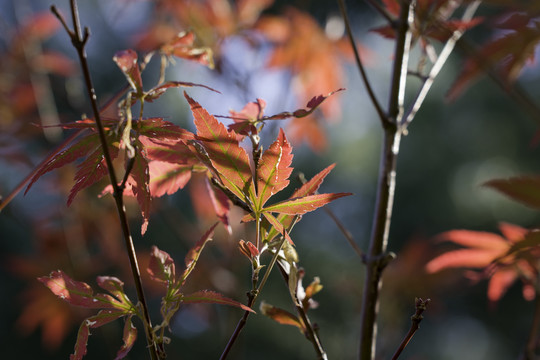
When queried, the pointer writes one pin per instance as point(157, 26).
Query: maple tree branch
point(377, 258)
point(384, 13)
point(532, 340)
point(417, 317)
point(79, 41)
point(310, 332)
point(441, 60)
point(382, 115)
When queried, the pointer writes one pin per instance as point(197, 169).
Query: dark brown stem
point(359, 63)
point(532, 340)
point(79, 41)
point(376, 258)
point(421, 306)
point(310, 332)
point(252, 297)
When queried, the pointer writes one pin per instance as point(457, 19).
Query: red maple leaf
point(496, 255)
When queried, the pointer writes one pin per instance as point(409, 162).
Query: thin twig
point(79, 40)
point(346, 233)
point(252, 297)
point(360, 65)
point(310, 332)
point(377, 260)
point(384, 13)
point(420, 306)
point(441, 60)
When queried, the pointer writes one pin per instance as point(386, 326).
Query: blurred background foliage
point(451, 149)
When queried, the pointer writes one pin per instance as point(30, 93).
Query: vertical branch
point(377, 258)
point(79, 40)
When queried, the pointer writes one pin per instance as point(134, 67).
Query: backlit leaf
point(113, 285)
point(181, 46)
point(304, 204)
point(194, 253)
point(77, 293)
point(206, 296)
point(473, 258)
point(167, 178)
point(274, 169)
point(66, 156)
point(128, 63)
point(159, 90)
point(138, 180)
point(102, 318)
point(281, 316)
point(161, 266)
point(226, 155)
point(221, 204)
point(312, 104)
point(129, 337)
point(525, 189)
point(475, 239)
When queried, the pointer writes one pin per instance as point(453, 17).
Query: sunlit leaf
point(181, 46)
point(226, 155)
point(281, 316)
point(76, 292)
point(274, 169)
point(304, 204)
point(102, 318)
point(128, 63)
point(129, 337)
point(472, 258)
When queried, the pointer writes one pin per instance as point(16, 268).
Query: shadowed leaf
point(194, 253)
point(161, 266)
point(525, 190)
point(206, 296)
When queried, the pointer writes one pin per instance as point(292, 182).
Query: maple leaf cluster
point(502, 259)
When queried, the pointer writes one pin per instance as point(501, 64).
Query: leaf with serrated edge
point(129, 337)
point(161, 267)
point(77, 293)
point(524, 189)
point(281, 316)
point(300, 113)
point(66, 156)
point(157, 91)
point(127, 62)
point(138, 180)
point(167, 178)
point(299, 206)
point(274, 169)
point(102, 318)
point(113, 285)
point(220, 202)
point(158, 129)
point(206, 296)
point(309, 188)
point(226, 155)
point(90, 171)
point(194, 253)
